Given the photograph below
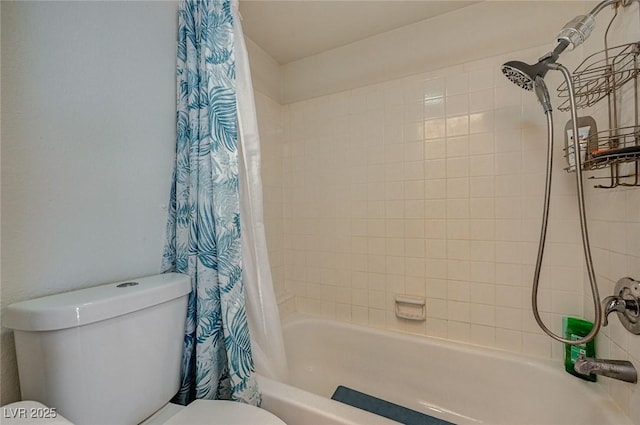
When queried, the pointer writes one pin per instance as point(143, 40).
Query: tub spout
point(617, 369)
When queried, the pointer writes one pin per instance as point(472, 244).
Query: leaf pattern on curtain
point(203, 228)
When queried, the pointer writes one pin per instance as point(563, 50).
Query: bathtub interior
point(455, 382)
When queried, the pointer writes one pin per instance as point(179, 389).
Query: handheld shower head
point(530, 77)
point(521, 74)
point(524, 75)
point(542, 92)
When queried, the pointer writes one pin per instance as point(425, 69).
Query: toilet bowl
point(111, 355)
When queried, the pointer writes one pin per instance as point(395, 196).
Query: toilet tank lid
point(84, 306)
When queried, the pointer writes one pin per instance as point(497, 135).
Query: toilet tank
point(104, 355)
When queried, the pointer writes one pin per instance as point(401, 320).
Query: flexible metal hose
point(583, 220)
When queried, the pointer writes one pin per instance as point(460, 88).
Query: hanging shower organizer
point(609, 74)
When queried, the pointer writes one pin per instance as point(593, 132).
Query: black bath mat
point(384, 408)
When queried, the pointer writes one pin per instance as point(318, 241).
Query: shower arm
point(600, 6)
point(577, 30)
point(605, 3)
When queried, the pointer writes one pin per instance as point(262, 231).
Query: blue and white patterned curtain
point(204, 239)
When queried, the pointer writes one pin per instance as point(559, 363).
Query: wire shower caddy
point(608, 74)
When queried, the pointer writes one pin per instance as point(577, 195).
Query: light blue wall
point(88, 130)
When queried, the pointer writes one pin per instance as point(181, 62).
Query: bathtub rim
point(593, 391)
point(459, 346)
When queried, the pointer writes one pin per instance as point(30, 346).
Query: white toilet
point(111, 355)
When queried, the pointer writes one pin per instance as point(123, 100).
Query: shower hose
point(583, 221)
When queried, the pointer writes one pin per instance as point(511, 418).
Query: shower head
point(521, 74)
point(530, 77)
point(524, 75)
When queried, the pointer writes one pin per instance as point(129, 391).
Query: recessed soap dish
point(410, 307)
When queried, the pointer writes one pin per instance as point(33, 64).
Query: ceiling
point(294, 29)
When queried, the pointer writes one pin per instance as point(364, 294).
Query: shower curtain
point(214, 230)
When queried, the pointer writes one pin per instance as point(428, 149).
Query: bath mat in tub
point(384, 408)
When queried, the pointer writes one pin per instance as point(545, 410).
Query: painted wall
point(88, 133)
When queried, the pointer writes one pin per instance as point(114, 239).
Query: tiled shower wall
point(429, 186)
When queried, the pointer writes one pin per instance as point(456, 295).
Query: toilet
point(111, 354)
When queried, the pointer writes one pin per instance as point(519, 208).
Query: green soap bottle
point(574, 329)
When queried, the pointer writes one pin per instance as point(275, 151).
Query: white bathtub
point(459, 383)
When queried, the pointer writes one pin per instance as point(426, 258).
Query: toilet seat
point(220, 412)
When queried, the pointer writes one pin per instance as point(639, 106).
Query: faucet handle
point(625, 302)
point(613, 303)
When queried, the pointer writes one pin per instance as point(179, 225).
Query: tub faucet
point(617, 369)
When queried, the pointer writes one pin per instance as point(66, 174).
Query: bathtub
point(459, 383)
